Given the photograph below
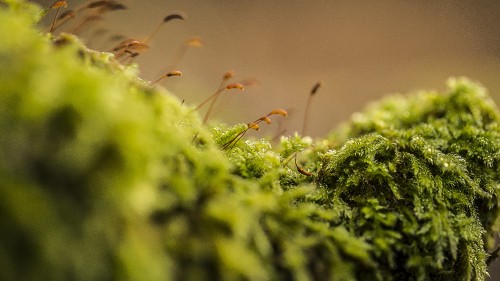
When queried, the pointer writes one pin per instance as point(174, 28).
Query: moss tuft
point(419, 176)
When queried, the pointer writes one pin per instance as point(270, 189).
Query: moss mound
point(419, 178)
point(101, 180)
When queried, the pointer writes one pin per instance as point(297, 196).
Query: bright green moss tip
point(102, 179)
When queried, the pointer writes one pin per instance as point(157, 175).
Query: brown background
point(361, 50)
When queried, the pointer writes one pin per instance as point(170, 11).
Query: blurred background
point(360, 50)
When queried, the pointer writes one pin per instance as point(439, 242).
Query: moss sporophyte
point(101, 178)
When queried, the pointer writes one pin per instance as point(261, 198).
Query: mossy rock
point(101, 180)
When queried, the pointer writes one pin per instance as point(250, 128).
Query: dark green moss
point(419, 175)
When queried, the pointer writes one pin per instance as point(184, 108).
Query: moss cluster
point(419, 177)
point(101, 180)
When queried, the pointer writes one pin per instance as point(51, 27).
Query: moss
point(101, 180)
point(419, 175)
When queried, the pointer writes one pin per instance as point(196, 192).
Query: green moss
point(419, 175)
point(101, 180)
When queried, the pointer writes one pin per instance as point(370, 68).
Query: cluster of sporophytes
point(104, 177)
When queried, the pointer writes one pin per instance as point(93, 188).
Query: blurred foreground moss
point(100, 180)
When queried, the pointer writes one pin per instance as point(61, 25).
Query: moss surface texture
point(100, 180)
